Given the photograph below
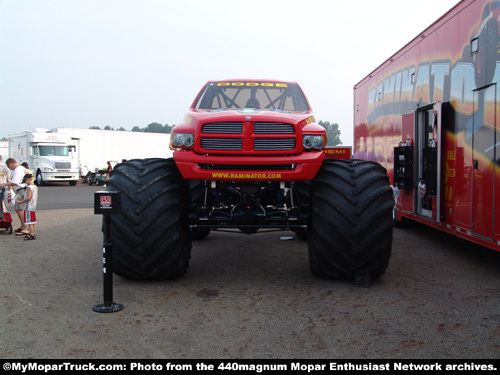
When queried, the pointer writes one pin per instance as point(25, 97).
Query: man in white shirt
point(19, 188)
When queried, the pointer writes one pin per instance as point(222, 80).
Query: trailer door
point(483, 155)
point(428, 166)
point(407, 134)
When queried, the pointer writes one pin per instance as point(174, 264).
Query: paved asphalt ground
point(243, 297)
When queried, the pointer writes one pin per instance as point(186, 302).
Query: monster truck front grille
point(264, 144)
point(223, 127)
point(221, 143)
point(273, 128)
point(283, 136)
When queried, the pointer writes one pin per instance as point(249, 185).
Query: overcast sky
point(82, 63)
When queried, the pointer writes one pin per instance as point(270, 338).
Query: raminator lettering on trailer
point(423, 84)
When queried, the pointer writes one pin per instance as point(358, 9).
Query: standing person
point(27, 168)
point(19, 189)
point(4, 178)
point(30, 200)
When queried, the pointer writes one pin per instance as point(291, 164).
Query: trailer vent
point(265, 144)
point(273, 128)
point(223, 127)
point(221, 143)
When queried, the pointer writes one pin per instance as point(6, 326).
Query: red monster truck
point(248, 156)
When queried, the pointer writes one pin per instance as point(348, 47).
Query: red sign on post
point(105, 200)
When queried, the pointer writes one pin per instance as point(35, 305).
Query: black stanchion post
point(107, 203)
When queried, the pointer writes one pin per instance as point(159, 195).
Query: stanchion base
point(107, 307)
point(362, 279)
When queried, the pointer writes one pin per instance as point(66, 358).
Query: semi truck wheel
point(39, 179)
point(150, 237)
point(351, 220)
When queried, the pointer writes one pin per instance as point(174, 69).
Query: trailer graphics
point(248, 157)
point(429, 115)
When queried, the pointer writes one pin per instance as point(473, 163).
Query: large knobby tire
point(351, 220)
point(151, 238)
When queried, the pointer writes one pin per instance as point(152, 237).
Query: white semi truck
point(50, 156)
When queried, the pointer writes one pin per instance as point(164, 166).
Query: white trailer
point(96, 147)
point(4, 150)
point(49, 155)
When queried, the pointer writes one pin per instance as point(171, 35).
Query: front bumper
point(248, 168)
point(59, 176)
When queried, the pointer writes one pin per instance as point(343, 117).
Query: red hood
point(243, 113)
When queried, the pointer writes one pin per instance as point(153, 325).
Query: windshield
point(53, 150)
point(263, 95)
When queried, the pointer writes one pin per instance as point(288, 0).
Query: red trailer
point(429, 114)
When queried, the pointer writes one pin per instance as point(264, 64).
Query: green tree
point(95, 128)
point(332, 132)
point(136, 129)
point(154, 127)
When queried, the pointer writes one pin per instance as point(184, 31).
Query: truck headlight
point(182, 140)
point(313, 141)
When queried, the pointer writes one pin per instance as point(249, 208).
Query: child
point(30, 200)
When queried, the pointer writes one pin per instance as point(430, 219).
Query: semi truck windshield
point(53, 150)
